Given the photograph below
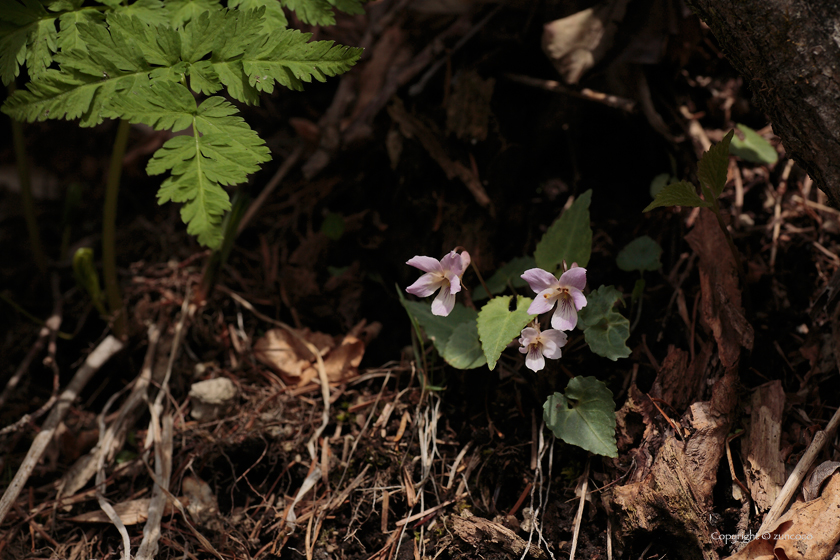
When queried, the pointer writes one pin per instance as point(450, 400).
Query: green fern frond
point(182, 11)
point(289, 59)
point(152, 12)
point(131, 66)
point(223, 150)
point(320, 12)
point(28, 34)
point(69, 37)
point(273, 19)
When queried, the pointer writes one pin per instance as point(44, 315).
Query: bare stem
point(109, 229)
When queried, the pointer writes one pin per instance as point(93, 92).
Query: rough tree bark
point(789, 50)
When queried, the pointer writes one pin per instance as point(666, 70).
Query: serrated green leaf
point(497, 325)
point(640, 254)
point(320, 12)
point(161, 104)
point(606, 331)
point(151, 12)
point(28, 34)
point(584, 416)
point(123, 67)
point(290, 60)
point(659, 182)
point(608, 337)
point(273, 19)
point(201, 34)
point(62, 5)
point(753, 148)
point(677, 194)
point(510, 273)
point(203, 77)
point(714, 165)
point(463, 350)
point(226, 151)
point(438, 329)
point(598, 304)
point(569, 238)
point(182, 11)
point(68, 36)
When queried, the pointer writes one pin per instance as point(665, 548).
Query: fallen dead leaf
point(808, 531)
point(720, 296)
point(291, 359)
point(130, 512)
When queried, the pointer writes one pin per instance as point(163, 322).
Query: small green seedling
point(712, 171)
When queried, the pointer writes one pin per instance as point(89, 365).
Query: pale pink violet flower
point(444, 275)
point(566, 292)
point(538, 345)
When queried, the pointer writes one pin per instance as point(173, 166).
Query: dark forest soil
point(541, 148)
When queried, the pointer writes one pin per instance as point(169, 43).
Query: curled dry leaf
point(130, 512)
point(808, 531)
point(720, 296)
point(291, 359)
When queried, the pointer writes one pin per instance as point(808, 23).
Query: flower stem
point(27, 201)
point(480, 279)
point(109, 227)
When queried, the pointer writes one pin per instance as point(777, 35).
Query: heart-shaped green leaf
point(605, 330)
point(584, 416)
point(463, 351)
point(438, 329)
point(640, 254)
point(753, 148)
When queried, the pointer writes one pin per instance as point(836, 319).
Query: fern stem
point(109, 228)
point(219, 258)
point(27, 200)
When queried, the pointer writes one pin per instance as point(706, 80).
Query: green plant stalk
point(26, 197)
point(31, 317)
point(109, 232)
point(219, 258)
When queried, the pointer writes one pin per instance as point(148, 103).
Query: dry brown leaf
point(490, 538)
point(289, 357)
point(808, 531)
point(130, 512)
point(720, 296)
point(576, 43)
point(811, 488)
point(279, 350)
